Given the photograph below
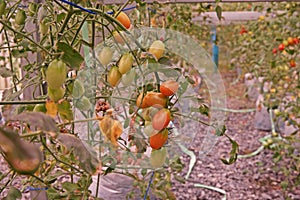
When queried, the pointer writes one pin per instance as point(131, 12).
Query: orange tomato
point(155, 99)
point(169, 87)
point(114, 76)
point(124, 19)
point(140, 101)
point(292, 63)
point(161, 119)
point(158, 140)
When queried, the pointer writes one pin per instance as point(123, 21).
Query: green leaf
point(233, 153)
point(220, 131)
point(70, 56)
point(65, 110)
point(219, 12)
point(179, 178)
point(204, 110)
point(4, 72)
point(86, 155)
point(13, 194)
point(126, 122)
point(37, 119)
point(69, 186)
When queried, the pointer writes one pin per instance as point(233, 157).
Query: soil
point(250, 178)
point(247, 179)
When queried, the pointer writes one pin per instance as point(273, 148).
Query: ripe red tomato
point(161, 119)
point(114, 76)
point(274, 51)
point(169, 87)
point(124, 19)
point(281, 47)
point(158, 140)
point(292, 63)
point(296, 40)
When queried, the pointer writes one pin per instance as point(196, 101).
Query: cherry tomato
point(157, 49)
point(158, 157)
point(292, 63)
point(56, 74)
point(155, 99)
point(290, 41)
point(125, 63)
point(140, 101)
point(20, 17)
point(83, 104)
point(169, 87)
point(114, 76)
point(124, 19)
point(118, 37)
point(296, 40)
point(274, 51)
point(161, 119)
point(285, 43)
point(44, 27)
point(105, 55)
point(128, 77)
point(78, 89)
point(158, 140)
point(56, 94)
point(281, 47)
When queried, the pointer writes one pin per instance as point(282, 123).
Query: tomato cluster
point(287, 44)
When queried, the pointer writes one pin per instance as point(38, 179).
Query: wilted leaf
point(86, 155)
point(52, 108)
point(4, 72)
point(38, 120)
point(23, 157)
point(111, 129)
point(70, 56)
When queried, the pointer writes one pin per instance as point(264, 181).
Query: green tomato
point(56, 74)
point(158, 157)
point(56, 94)
point(128, 78)
point(125, 63)
point(105, 55)
point(20, 17)
point(78, 89)
point(83, 104)
point(44, 27)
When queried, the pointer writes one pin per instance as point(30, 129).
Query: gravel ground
point(247, 179)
